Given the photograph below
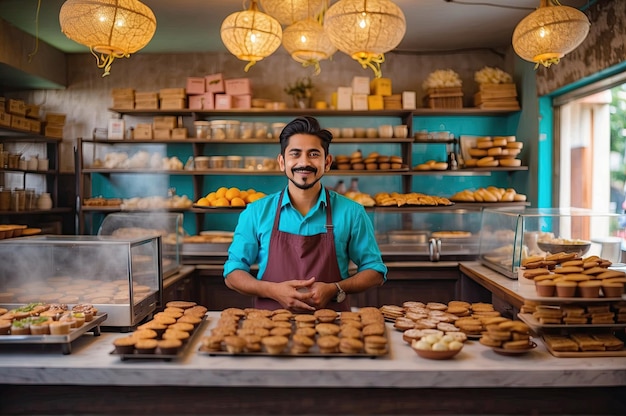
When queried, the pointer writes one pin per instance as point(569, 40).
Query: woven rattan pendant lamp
point(365, 29)
point(110, 28)
point(288, 12)
point(549, 33)
point(251, 35)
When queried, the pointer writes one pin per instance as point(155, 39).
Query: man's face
point(304, 162)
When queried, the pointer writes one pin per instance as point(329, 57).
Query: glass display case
point(428, 235)
point(168, 225)
point(120, 277)
point(509, 235)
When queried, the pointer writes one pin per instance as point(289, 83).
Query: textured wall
point(87, 97)
point(604, 47)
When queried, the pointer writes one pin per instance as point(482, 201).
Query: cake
point(275, 344)
point(60, 328)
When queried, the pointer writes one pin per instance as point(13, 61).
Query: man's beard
point(304, 186)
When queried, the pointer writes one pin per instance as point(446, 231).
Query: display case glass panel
point(510, 235)
point(120, 277)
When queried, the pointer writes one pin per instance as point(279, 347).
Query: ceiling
point(193, 25)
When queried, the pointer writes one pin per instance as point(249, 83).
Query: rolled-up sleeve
point(363, 248)
point(244, 249)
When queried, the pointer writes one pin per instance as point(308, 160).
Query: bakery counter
point(37, 380)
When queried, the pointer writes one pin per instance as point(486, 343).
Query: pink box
point(223, 102)
point(238, 86)
point(214, 83)
point(242, 101)
point(208, 101)
point(195, 85)
point(195, 102)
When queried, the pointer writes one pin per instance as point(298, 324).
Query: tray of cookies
point(575, 315)
point(507, 337)
point(42, 323)
point(584, 344)
point(168, 335)
point(281, 333)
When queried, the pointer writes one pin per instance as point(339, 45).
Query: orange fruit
point(237, 202)
point(203, 202)
point(221, 192)
point(243, 194)
point(255, 197)
point(232, 193)
point(222, 202)
point(251, 191)
point(211, 196)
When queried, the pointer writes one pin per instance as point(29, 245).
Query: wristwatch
point(341, 295)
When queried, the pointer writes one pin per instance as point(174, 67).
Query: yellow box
point(375, 102)
point(381, 86)
point(164, 122)
point(162, 134)
point(142, 131)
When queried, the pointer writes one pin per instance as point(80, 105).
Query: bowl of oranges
point(225, 197)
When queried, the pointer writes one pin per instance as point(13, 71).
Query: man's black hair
point(304, 125)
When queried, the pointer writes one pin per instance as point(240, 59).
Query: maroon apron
point(299, 257)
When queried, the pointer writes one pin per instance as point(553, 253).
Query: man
point(304, 237)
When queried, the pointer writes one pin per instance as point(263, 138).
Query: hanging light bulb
point(549, 33)
point(307, 43)
point(365, 29)
point(110, 28)
point(251, 35)
point(287, 12)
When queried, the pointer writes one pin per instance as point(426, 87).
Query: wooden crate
point(451, 97)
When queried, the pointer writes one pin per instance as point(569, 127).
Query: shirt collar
point(321, 200)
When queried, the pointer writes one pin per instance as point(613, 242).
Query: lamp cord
point(34, 52)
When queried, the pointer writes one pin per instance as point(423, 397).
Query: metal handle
point(434, 249)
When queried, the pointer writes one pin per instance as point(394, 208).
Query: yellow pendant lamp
point(251, 35)
point(549, 33)
point(307, 43)
point(110, 28)
point(287, 12)
point(365, 29)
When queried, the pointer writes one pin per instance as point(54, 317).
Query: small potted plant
point(301, 91)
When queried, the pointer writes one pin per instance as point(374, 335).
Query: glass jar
point(261, 129)
point(218, 129)
point(232, 129)
point(217, 162)
point(234, 162)
point(44, 201)
point(246, 131)
point(203, 129)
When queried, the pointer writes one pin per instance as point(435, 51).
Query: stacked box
point(195, 86)
point(223, 101)
point(32, 111)
point(146, 101)
point(123, 98)
point(173, 98)
point(409, 100)
point(20, 123)
point(375, 102)
point(196, 102)
point(16, 107)
point(179, 133)
point(243, 102)
point(344, 98)
point(142, 131)
point(5, 119)
point(392, 102)
point(54, 124)
point(164, 122)
point(361, 85)
point(35, 125)
point(359, 102)
point(449, 97)
point(497, 96)
point(380, 86)
point(214, 83)
point(238, 86)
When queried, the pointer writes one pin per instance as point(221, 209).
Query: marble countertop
point(91, 363)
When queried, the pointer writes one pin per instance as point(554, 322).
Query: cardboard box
point(5, 119)
point(35, 126)
point(147, 104)
point(172, 93)
point(214, 83)
point(123, 93)
point(195, 85)
point(409, 100)
point(123, 104)
point(380, 86)
point(208, 101)
point(223, 102)
point(375, 102)
point(344, 98)
point(54, 130)
point(162, 134)
point(116, 130)
point(142, 131)
point(20, 123)
point(359, 102)
point(146, 96)
point(16, 107)
point(242, 101)
point(361, 85)
point(55, 118)
point(195, 102)
point(179, 133)
point(164, 122)
point(238, 86)
point(32, 111)
point(173, 103)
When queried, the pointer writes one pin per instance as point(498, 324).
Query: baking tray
point(531, 321)
point(64, 340)
point(583, 354)
point(167, 357)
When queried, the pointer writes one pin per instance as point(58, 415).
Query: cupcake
point(146, 346)
point(20, 327)
point(328, 344)
point(5, 327)
point(612, 289)
point(566, 289)
point(350, 346)
point(158, 327)
point(325, 315)
point(169, 346)
point(80, 318)
point(125, 345)
point(590, 288)
point(253, 343)
point(275, 344)
point(545, 288)
point(59, 328)
point(144, 334)
point(301, 344)
point(235, 344)
point(40, 325)
point(182, 326)
point(281, 331)
point(183, 336)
